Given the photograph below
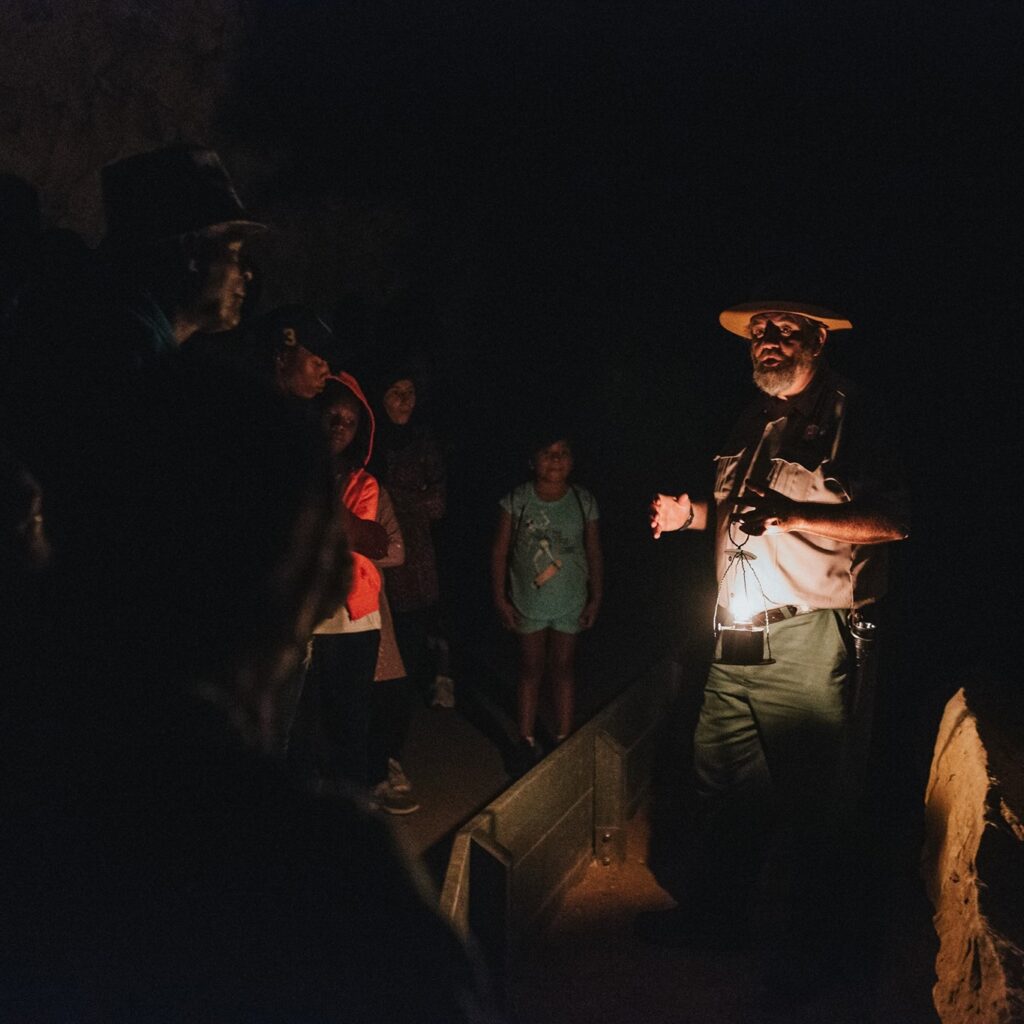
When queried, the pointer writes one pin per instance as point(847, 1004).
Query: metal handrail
point(511, 863)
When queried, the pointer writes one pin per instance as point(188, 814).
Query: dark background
point(599, 180)
point(558, 198)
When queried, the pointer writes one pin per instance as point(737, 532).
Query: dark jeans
point(332, 727)
point(287, 709)
point(389, 724)
point(411, 631)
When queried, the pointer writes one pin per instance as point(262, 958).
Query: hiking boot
point(391, 802)
point(397, 779)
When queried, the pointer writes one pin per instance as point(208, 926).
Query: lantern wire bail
point(744, 558)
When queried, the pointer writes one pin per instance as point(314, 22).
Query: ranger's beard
point(776, 380)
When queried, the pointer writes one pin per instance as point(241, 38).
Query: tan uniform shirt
point(810, 448)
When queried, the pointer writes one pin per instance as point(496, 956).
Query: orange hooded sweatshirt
point(360, 497)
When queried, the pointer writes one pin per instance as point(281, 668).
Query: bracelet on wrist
point(689, 519)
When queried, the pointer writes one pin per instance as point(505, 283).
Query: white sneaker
point(444, 692)
point(392, 802)
point(397, 778)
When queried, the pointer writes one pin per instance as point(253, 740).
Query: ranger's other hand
point(668, 513)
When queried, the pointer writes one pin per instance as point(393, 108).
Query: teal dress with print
point(547, 553)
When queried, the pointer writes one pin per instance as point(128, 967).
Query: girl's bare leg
point(563, 683)
point(531, 670)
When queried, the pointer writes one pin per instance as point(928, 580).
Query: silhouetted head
point(298, 347)
point(24, 545)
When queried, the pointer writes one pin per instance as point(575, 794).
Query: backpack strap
point(579, 502)
point(518, 519)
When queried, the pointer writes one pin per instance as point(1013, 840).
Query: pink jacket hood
point(368, 425)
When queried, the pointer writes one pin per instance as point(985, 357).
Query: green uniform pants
point(768, 750)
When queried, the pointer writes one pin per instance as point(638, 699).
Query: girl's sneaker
point(397, 779)
point(392, 802)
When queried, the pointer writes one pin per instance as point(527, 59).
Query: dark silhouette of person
point(94, 326)
point(155, 862)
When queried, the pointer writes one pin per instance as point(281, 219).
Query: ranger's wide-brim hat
point(172, 191)
point(736, 319)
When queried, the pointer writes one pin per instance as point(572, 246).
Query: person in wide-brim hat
point(169, 192)
point(807, 494)
point(175, 232)
point(736, 319)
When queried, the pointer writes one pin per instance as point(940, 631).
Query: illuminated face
point(554, 463)
point(399, 401)
point(218, 307)
point(342, 423)
point(24, 541)
point(784, 350)
point(301, 373)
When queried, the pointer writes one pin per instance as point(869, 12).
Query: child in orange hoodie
point(340, 678)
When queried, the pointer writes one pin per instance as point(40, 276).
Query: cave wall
point(974, 857)
point(82, 84)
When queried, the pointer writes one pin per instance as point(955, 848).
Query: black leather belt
point(785, 611)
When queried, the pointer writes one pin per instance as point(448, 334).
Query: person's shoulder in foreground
point(284, 906)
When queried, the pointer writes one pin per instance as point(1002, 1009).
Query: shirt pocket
point(802, 484)
point(726, 469)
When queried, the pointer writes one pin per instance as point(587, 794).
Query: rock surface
point(84, 84)
point(974, 857)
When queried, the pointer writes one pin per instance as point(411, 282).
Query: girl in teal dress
point(547, 576)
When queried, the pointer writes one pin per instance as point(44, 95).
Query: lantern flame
point(742, 607)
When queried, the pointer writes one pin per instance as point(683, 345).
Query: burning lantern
point(744, 642)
